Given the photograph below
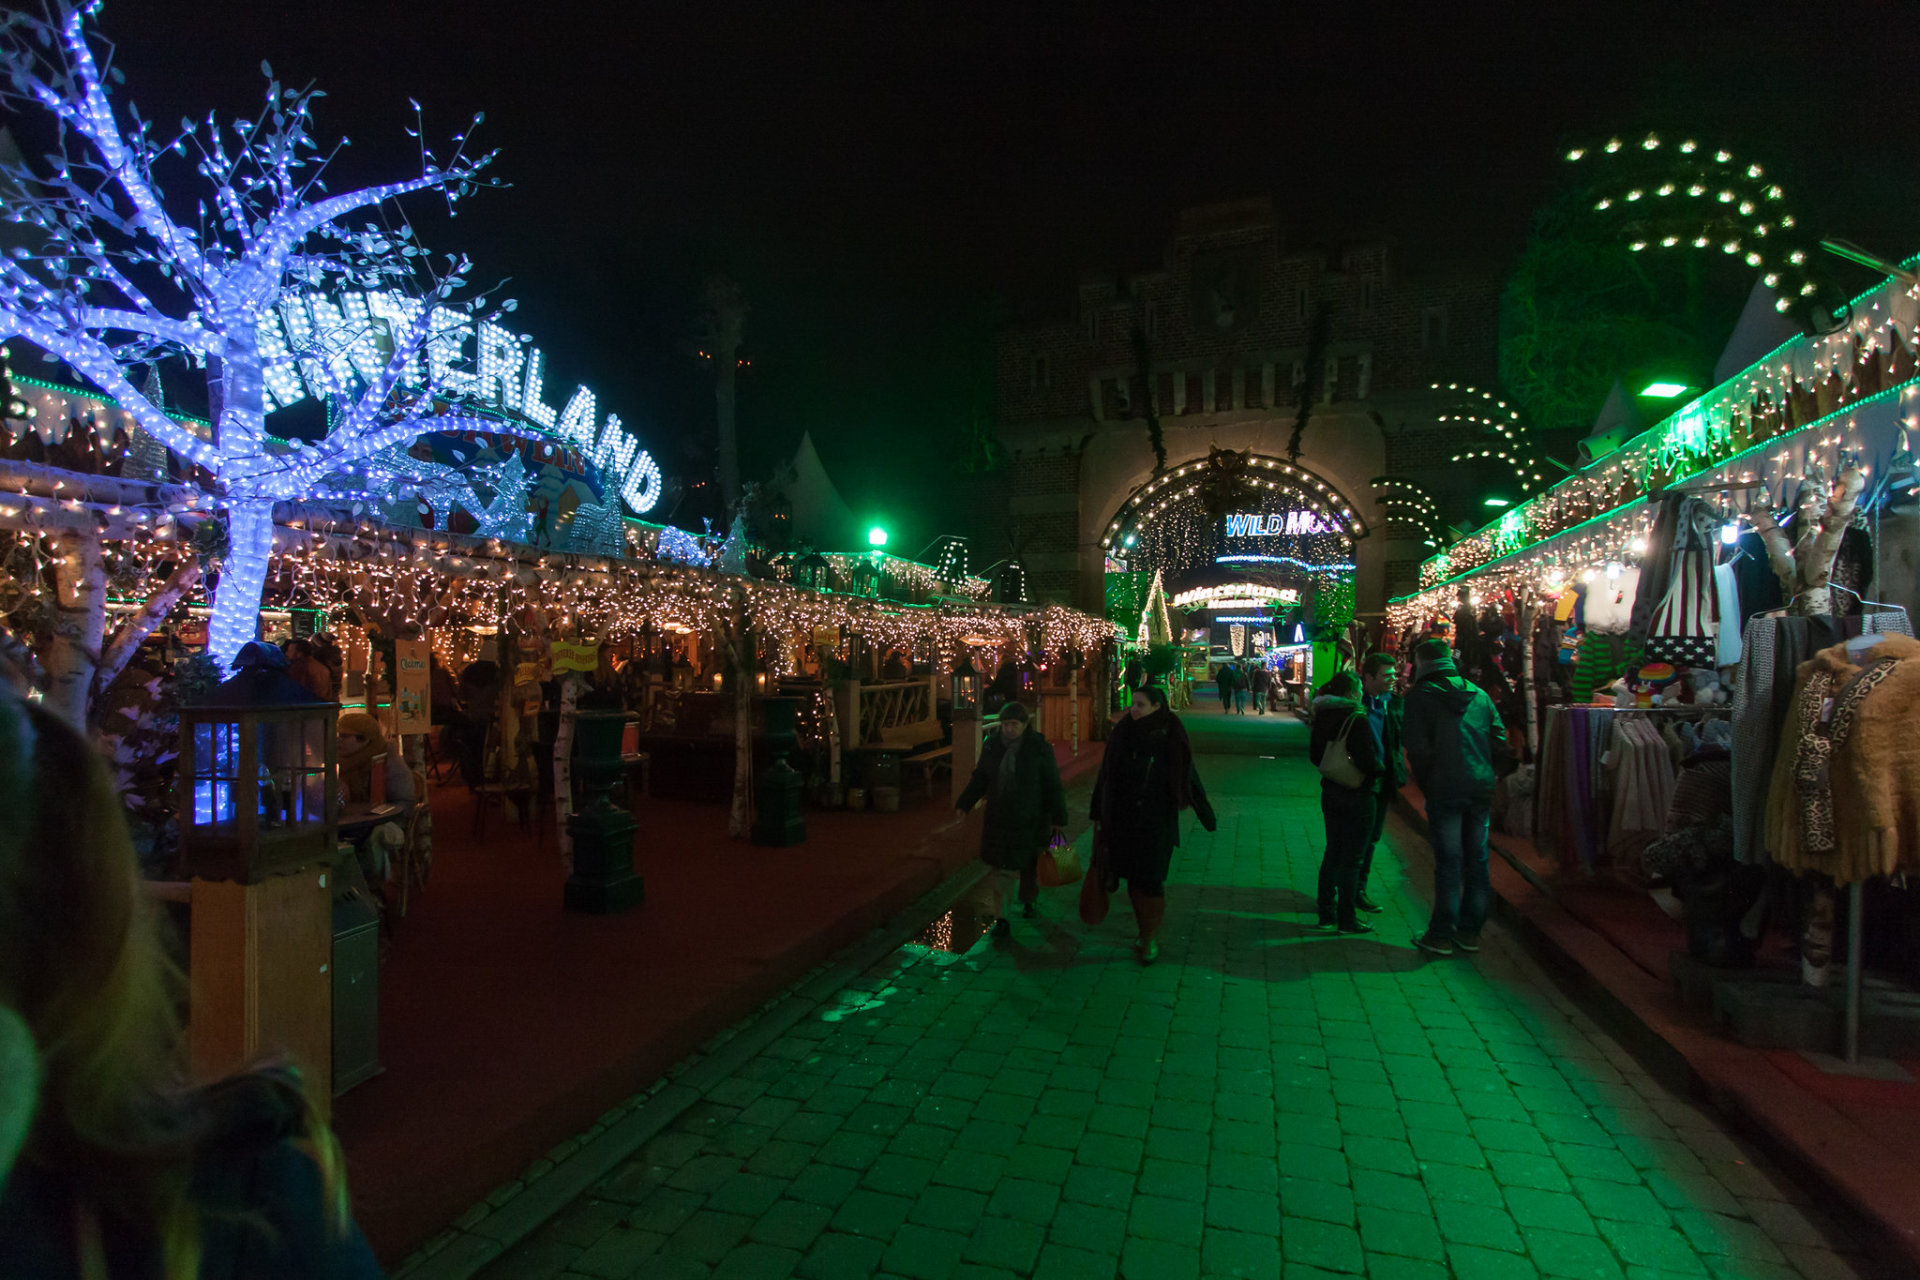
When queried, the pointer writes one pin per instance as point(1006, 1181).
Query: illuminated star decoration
point(108, 280)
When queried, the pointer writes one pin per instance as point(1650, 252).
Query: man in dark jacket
point(1385, 713)
point(1019, 778)
point(1452, 735)
point(1347, 810)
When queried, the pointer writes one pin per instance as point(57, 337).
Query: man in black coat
point(1386, 712)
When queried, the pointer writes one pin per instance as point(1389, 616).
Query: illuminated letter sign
point(344, 341)
point(1276, 524)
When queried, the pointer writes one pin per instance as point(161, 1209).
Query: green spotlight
point(876, 537)
point(1664, 390)
point(1498, 502)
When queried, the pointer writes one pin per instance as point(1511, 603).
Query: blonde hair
point(81, 962)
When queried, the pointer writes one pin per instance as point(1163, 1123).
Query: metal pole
point(1856, 908)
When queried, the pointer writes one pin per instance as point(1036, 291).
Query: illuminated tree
point(1679, 196)
point(1512, 439)
point(1408, 502)
point(144, 244)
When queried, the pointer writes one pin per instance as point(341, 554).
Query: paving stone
point(1400, 1232)
point(1649, 1244)
point(749, 1193)
point(757, 1262)
point(1092, 1184)
point(708, 1235)
point(791, 1224)
point(835, 1257)
point(1160, 1218)
point(1476, 1224)
point(1240, 1253)
point(973, 1170)
point(1572, 1255)
point(1325, 1245)
point(1149, 1259)
point(619, 1253)
point(871, 1214)
point(1553, 1210)
point(1092, 1227)
point(1065, 1262)
point(1489, 1264)
point(1174, 1179)
point(823, 1184)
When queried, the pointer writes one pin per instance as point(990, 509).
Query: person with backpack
point(1454, 744)
point(1342, 745)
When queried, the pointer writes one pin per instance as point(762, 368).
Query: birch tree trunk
point(134, 631)
point(739, 655)
point(563, 766)
point(79, 622)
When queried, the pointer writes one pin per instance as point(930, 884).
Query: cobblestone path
point(1267, 1100)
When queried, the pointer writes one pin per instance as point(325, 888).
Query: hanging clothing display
point(1677, 608)
point(1641, 769)
point(1602, 657)
point(1727, 591)
point(1610, 597)
point(1605, 780)
point(1772, 650)
point(1844, 794)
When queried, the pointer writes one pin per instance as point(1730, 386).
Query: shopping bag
point(1059, 864)
point(1094, 896)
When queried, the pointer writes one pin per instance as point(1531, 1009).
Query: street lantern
point(258, 792)
point(866, 579)
point(811, 571)
point(966, 690)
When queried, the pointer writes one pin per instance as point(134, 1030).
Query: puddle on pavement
point(953, 933)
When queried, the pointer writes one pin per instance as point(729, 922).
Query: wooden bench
point(929, 760)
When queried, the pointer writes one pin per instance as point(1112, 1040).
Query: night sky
point(886, 180)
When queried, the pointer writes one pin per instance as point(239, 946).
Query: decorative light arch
point(1264, 474)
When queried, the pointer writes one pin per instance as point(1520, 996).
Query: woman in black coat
point(1020, 780)
point(1146, 778)
point(1347, 811)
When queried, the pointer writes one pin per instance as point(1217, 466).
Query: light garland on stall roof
point(1764, 472)
point(1824, 371)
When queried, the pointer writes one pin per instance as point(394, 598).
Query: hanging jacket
point(1873, 771)
point(1452, 736)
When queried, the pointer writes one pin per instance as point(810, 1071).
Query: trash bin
point(356, 992)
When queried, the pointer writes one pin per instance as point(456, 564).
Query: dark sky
point(884, 179)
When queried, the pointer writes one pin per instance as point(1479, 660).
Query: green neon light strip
point(1531, 547)
point(1692, 406)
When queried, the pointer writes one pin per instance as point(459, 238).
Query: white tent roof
point(820, 514)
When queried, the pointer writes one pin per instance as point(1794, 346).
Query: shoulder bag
point(1336, 762)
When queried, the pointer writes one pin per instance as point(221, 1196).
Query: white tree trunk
point(79, 622)
point(134, 631)
point(243, 577)
point(739, 654)
point(563, 766)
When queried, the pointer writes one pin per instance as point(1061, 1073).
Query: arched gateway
point(1258, 552)
point(1319, 372)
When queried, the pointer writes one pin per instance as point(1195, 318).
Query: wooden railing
point(891, 713)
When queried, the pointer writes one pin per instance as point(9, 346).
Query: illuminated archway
point(1258, 551)
point(1241, 513)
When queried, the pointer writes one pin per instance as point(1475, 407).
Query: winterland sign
point(1276, 524)
point(318, 345)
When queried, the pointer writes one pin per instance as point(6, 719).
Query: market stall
point(1689, 633)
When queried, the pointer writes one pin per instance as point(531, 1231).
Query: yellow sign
point(412, 687)
point(575, 657)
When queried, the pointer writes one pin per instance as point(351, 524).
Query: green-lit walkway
point(1266, 1101)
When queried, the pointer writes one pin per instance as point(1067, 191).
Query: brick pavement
point(1267, 1100)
